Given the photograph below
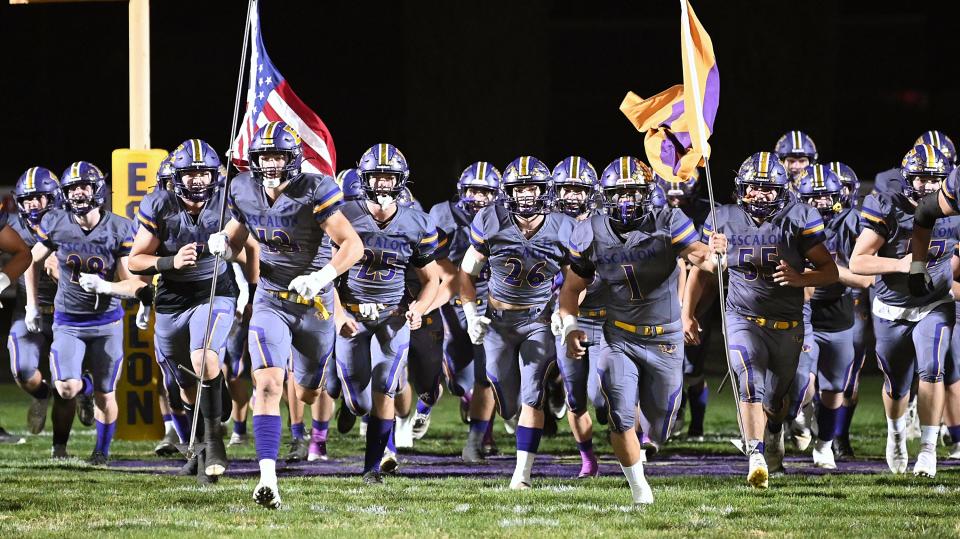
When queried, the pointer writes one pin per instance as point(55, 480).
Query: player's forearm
point(692, 292)
point(449, 287)
point(920, 243)
point(428, 293)
point(821, 276)
point(875, 265)
point(468, 287)
point(851, 279)
point(30, 282)
point(348, 253)
point(142, 262)
point(127, 288)
point(570, 295)
point(17, 265)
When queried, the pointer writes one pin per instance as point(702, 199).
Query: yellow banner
point(134, 174)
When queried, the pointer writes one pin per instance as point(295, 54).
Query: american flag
point(270, 98)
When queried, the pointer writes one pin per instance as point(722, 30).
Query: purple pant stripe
point(392, 377)
point(748, 370)
point(671, 412)
point(259, 336)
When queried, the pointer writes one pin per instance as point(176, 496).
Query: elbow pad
point(470, 264)
point(928, 211)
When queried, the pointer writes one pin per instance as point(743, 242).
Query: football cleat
point(345, 420)
point(510, 425)
point(168, 444)
point(215, 456)
point(203, 465)
point(318, 448)
point(926, 465)
point(421, 423)
point(758, 476)
point(773, 452)
point(389, 463)
point(373, 477)
point(896, 452)
point(644, 496)
point(465, 410)
point(190, 467)
point(37, 415)
point(403, 432)
point(97, 458)
point(297, 450)
point(823, 455)
point(472, 452)
point(518, 484)
point(238, 439)
point(267, 495)
point(589, 468)
point(842, 448)
point(954, 451)
point(59, 451)
point(85, 406)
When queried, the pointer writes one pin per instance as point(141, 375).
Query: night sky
point(455, 82)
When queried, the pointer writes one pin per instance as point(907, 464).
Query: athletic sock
point(211, 404)
point(827, 422)
point(929, 435)
point(588, 461)
point(319, 430)
point(528, 442)
point(697, 397)
point(774, 426)
point(168, 423)
point(297, 431)
point(239, 427)
point(181, 424)
point(87, 382)
point(898, 425)
point(378, 432)
point(954, 433)
point(391, 442)
point(423, 407)
point(635, 479)
point(104, 436)
point(266, 432)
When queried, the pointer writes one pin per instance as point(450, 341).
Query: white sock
point(521, 474)
point(824, 444)
point(635, 479)
point(168, 426)
point(929, 435)
point(897, 425)
point(268, 471)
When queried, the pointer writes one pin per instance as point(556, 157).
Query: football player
point(170, 241)
point(796, 151)
point(767, 239)
point(92, 246)
point(373, 328)
point(287, 212)
point(524, 242)
point(633, 251)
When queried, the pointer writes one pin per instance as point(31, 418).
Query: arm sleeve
point(43, 234)
point(327, 200)
point(811, 230)
point(148, 215)
point(480, 228)
point(580, 249)
point(126, 242)
point(873, 215)
point(683, 232)
point(424, 251)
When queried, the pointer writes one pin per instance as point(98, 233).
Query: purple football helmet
point(658, 197)
point(676, 192)
point(383, 159)
point(480, 176)
point(522, 172)
point(275, 138)
point(165, 174)
point(764, 171)
point(574, 174)
point(195, 156)
point(923, 160)
point(83, 173)
point(36, 182)
point(940, 141)
point(848, 181)
point(627, 185)
point(821, 188)
point(796, 144)
point(350, 183)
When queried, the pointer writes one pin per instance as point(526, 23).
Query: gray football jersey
point(754, 251)
point(639, 267)
point(455, 222)
point(95, 251)
point(289, 230)
point(47, 287)
point(410, 237)
point(161, 213)
point(521, 270)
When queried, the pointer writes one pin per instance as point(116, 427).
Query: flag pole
point(698, 108)
point(223, 213)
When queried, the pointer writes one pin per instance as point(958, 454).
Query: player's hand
point(477, 327)
point(370, 311)
point(143, 317)
point(787, 276)
point(219, 245)
point(718, 243)
point(414, 319)
point(347, 327)
point(186, 256)
point(51, 266)
point(556, 324)
point(91, 282)
point(919, 281)
point(310, 286)
point(32, 319)
point(574, 338)
point(691, 330)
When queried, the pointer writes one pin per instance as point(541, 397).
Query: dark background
point(455, 82)
point(452, 82)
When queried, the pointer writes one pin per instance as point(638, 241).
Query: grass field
point(39, 498)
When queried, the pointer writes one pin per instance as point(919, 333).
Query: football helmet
point(627, 185)
point(527, 171)
point(574, 173)
point(820, 187)
point(762, 170)
point(350, 183)
point(35, 182)
point(480, 176)
point(940, 141)
point(78, 174)
point(849, 182)
point(275, 138)
point(922, 160)
point(383, 159)
point(195, 155)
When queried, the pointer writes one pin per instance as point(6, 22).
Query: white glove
point(556, 324)
point(309, 286)
point(476, 325)
point(568, 324)
point(4, 281)
point(32, 319)
point(370, 311)
point(91, 282)
point(143, 317)
point(219, 245)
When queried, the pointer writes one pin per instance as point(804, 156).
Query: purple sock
point(843, 428)
point(423, 408)
point(760, 447)
point(104, 436)
point(479, 425)
point(954, 433)
point(528, 439)
point(320, 428)
point(391, 444)
point(267, 430)
point(239, 427)
point(488, 435)
point(378, 431)
point(826, 423)
point(840, 421)
point(643, 438)
point(181, 424)
point(298, 431)
point(697, 397)
point(87, 385)
point(167, 417)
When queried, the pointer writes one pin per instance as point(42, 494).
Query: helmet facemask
point(627, 204)
point(534, 200)
point(573, 200)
